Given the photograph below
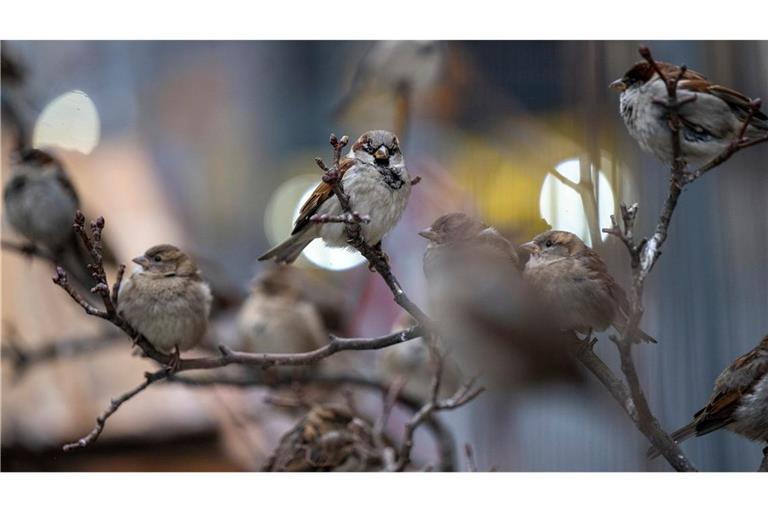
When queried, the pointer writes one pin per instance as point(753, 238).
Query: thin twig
point(344, 218)
point(446, 445)
point(471, 464)
point(114, 405)
point(464, 395)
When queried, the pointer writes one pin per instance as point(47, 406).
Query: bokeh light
point(285, 204)
point(562, 208)
point(69, 121)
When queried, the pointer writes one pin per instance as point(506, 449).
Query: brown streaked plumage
point(710, 123)
point(374, 177)
point(739, 401)
point(574, 281)
point(328, 438)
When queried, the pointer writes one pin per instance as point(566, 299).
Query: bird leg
point(175, 361)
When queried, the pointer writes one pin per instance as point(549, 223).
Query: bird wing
point(599, 271)
point(719, 411)
point(321, 194)
point(738, 102)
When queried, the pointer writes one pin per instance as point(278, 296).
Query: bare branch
point(650, 429)
point(114, 405)
point(344, 218)
point(443, 438)
point(28, 249)
point(471, 464)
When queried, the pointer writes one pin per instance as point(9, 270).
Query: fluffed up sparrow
point(574, 282)
point(374, 177)
point(166, 299)
point(489, 320)
point(40, 204)
point(40, 200)
point(709, 124)
point(739, 401)
point(328, 438)
point(275, 318)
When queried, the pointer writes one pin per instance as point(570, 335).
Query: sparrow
point(328, 438)
point(739, 401)
point(393, 68)
point(489, 320)
point(374, 177)
point(166, 299)
point(457, 232)
point(574, 282)
point(40, 200)
point(276, 319)
point(411, 362)
point(709, 124)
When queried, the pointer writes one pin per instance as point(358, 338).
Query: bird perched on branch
point(374, 176)
point(166, 299)
point(739, 401)
point(275, 318)
point(711, 115)
point(40, 204)
point(574, 282)
point(328, 438)
point(490, 321)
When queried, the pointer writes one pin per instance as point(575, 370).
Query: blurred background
point(209, 145)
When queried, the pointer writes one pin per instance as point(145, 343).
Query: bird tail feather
point(678, 436)
point(288, 251)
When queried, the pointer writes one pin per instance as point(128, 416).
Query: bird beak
point(382, 154)
point(142, 261)
point(428, 234)
point(619, 85)
point(530, 247)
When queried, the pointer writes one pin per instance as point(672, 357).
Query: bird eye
point(549, 243)
point(158, 259)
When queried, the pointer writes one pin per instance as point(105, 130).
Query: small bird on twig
point(374, 176)
point(166, 300)
point(574, 281)
point(275, 318)
point(711, 115)
point(739, 401)
point(40, 204)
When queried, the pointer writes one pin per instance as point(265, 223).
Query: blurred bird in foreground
point(709, 124)
point(166, 300)
point(575, 284)
point(328, 438)
point(374, 176)
point(739, 401)
point(411, 363)
point(489, 320)
point(40, 204)
point(276, 319)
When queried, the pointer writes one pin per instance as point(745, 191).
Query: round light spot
point(562, 208)
point(283, 210)
point(70, 121)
